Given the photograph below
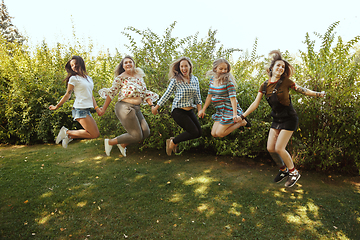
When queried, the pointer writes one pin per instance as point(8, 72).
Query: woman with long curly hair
point(185, 87)
point(131, 90)
point(285, 120)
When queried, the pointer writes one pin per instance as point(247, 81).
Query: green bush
point(31, 80)
point(329, 127)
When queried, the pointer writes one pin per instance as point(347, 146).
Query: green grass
point(48, 192)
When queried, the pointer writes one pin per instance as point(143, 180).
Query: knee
point(95, 134)
point(270, 149)
point(138, 137)
point(199, 133)
point(220, 135)
point(146, 133)
point(278, 150)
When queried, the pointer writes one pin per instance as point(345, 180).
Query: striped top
point(221, 99)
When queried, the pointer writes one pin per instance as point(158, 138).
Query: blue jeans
point(80, 113)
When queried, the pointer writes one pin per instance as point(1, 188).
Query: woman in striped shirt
point(222, 94)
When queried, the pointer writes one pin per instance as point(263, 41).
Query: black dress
point(284, 117)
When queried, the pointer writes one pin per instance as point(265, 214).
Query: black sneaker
point(281, 175)
point(292, 179)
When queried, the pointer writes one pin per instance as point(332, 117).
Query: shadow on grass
point(48, 192)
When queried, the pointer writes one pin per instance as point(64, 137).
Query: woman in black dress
point(285, 120)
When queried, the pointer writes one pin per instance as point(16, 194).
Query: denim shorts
point(80, 113)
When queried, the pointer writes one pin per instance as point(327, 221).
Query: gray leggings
point(133, 121)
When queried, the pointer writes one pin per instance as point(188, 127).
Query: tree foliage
point(7, 29)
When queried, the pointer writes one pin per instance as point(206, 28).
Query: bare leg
point(277, 142)
point(90, 129)
point(114, 141)
point(220, 130)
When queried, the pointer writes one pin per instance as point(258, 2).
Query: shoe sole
point(175, 150)
point(281, 179)
point(168, 150)
point(105, 147)
point(58, 138)
point(123, 152)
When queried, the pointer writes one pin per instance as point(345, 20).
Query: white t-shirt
point(83, 88)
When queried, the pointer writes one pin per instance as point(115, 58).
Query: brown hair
point(120, 67)
point(175, 72)
point(288, 71)
point(80, 67)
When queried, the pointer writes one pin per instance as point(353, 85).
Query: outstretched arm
point(66, 97)
point(234, 107)
point(254, 105)
point(102, 110)
point(201, 113)
point(308, 92)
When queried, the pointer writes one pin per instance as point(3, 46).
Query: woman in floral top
point(131, 89)
point(185, 86)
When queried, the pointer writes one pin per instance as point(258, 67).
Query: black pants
point(189, 122)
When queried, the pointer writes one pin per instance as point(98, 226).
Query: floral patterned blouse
point(129, 87)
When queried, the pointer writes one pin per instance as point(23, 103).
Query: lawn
point(48, 192)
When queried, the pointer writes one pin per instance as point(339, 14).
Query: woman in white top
point(131, 89)
point(78, 81)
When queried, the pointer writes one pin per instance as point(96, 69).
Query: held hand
point(237, 119)
point(201, 113)
point(52, 107)
point(322, 94)
point(154, 110)
point(100, 111)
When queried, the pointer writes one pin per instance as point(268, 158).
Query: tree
point(8, 31)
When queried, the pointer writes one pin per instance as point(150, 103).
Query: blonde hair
point(175, 72)
point(222, 78)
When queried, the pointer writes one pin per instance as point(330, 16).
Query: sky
point(276, 24)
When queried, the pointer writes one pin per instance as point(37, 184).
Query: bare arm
point(308, 92)
point(66, 97)
point(201, 113)
point(104, 107)
point(234, 107)
point(254, 105)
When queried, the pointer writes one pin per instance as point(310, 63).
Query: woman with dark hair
point(285, 119)
point(222, 94)
point(82, 85)
point(186, 88)
point(131, 89)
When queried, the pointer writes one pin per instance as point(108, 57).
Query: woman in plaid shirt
point(186, 88)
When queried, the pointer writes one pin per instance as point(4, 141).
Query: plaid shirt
point(186, 95)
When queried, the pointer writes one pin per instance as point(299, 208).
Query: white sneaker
point(122, 150)
point(66, 141)
point(62, 134)
point(107, 147)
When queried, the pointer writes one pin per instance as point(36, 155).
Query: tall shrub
point(329, 127)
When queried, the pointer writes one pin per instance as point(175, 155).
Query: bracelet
point(152, 105)
point(242, 117)
point(96, 107)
